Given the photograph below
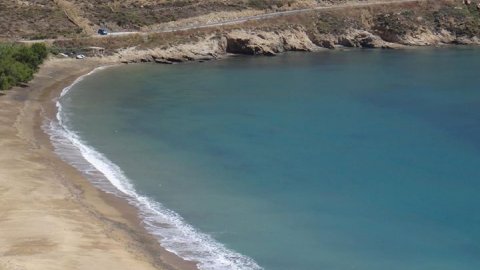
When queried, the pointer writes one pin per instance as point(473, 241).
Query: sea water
point(337, 160)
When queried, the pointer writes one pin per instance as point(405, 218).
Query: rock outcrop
point(353, 38)
point(216, 46)
point(429, 37)
point(268, 43)
point(423, 23)
point(209, 48)
point(428, 24)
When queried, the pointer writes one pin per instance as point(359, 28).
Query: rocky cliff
point(422, 23)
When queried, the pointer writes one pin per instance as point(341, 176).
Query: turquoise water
point(364, 159)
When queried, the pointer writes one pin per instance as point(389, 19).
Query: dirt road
point(249, 18)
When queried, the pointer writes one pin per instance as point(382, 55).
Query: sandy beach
point(51, 217)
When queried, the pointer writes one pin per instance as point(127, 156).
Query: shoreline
point(114, 232)
point(106, 229)
point(168, 228)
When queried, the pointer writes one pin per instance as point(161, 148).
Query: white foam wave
point(173, 233)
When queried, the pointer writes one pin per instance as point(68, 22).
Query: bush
point(18, 63)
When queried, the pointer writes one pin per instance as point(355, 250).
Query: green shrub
point(18, 63)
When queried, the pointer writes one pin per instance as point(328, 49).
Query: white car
point(80, 56)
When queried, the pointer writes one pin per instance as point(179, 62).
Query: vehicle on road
point(102, 31)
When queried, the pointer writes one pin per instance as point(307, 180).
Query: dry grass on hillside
point(40, 19)
point(56, 18)
point(386, 21)
point(33, 19)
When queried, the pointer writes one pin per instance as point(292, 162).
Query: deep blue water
point(365, 159)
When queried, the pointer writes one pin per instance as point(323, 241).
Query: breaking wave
point(171, 230)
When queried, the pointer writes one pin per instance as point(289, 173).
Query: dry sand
point(50, 216)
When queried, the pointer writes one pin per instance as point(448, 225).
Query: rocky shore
point(426, 23)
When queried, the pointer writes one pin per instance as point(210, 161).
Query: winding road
point(249, 18)
point(274, 15)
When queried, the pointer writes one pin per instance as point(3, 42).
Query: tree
point(18, 63)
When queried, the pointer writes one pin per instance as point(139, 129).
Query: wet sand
point(51, 217)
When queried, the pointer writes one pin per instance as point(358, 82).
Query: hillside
point(185, 30)
point(38, 19)
point(34, 19)
point(373, 25)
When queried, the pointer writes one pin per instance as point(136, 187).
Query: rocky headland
point(411, 24)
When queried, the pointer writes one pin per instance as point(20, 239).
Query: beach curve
point(170, 229)
point(51, 217)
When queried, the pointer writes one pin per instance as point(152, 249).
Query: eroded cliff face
point(427, 23)
point(248, 42)
point(268, 43)
point(430, 23)
point(208, 48)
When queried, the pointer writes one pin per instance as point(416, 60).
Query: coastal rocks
point(390, 30)
point(467, 41)
point(216, 46)
point(251, 44)
point(268, 43)
point(353, 38)
point(362, 39)
point(162, 61)
point(427, 37)
point(209, 48)
point(297, 40)
point(327, 43)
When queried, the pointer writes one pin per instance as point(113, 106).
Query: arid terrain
point(366, 24)
point(68, 18)
point(71, 25)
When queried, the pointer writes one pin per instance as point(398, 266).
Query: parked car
point(102, 32)
point(80, 56)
